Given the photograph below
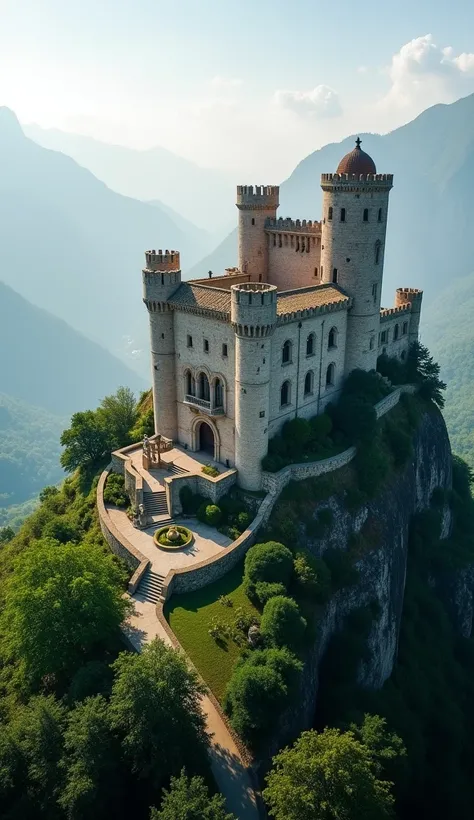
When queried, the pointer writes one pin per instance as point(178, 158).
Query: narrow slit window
point(366, 214)
point(343, 214)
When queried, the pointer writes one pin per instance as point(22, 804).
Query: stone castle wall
point(293, 260)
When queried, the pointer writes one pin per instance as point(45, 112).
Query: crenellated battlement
point(258, 196)
point(253, 308)
point(409, 295)
point(356, 182)
point(386, 313)
point(293, 226)
point(162, 262)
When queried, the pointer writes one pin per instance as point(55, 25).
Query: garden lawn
point(190, 617)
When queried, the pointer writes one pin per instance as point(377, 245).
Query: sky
point(249, 86)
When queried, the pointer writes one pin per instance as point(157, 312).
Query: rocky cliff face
point(382, 569)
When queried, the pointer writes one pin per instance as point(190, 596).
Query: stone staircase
point(175, 470)
point(150, 586)
point(155, 504)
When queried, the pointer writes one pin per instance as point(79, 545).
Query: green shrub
point(114, 491)
point(297, 433)
point(392, 368)
point(367, 384)
point(94, 678)
point(282, 622)
point(313, 576)
point(271, 562)
point(343, 572)
point(261, 687)
point(61, 530)
point(243, 521)
point(208, 469)
point(213, 515)
point(321, 427)
point(264, 590)
point(356, 417)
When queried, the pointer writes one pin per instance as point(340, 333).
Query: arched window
point(379, 218)
point(285, 394)
point(332, 338)
point(330, 374)
point(190, 384)
point(334, 276)
point(310, 344)
point(395, 333)
point(308, 383)
point(366, 214)
point(204, 389)
point(286, 352)
point(218, 393)
point(378, 245)
point(330, 214)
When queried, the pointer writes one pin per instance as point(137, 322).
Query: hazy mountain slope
point(202, 195)
point(448, 331)
point(429, 236)
point(29, 450)
point(48, 364)
point(70, 244)
point(224, 256)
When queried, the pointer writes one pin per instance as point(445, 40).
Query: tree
point(61, 600)
point(282, 622)
point(34, 740)
point(327, 775)
point(424, 371)
point(86, 441)
point(119, 414)
point(90, 762)
point(261, 686)
point(188, 799)
point(155, 708)
point(6, 534)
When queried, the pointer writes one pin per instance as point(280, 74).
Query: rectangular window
point(366, 214)
point(206, 345)
point(330, 214)
point(380, 215)
point(343, 214)
point(224, 350)
point(189, 341)
point(315, 271)
point(374, 291)
point(334, 276)
point(262, 414)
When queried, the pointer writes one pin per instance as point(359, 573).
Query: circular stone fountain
point(173, 537)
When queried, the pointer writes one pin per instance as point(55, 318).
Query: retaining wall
point(210, 487)
point(117, 542)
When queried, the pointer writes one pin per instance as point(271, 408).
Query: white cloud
point(424, 72)
point(319, 102)
point(225, 83)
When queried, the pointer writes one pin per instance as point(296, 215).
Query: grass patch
point(190, 617)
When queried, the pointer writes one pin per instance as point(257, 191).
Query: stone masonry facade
point(236, 355)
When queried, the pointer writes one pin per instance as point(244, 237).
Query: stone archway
point(207, 442)
point(205, 437)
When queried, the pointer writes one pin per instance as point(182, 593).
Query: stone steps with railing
point(155, 503)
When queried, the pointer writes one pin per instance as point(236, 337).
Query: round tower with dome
point(354, 224)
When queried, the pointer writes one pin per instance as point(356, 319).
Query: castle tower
point(414, 297)
point(255, 207)
point(355, 207)
point(161, 277)
point(253, 317)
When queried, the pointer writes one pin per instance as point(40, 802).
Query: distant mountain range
point(47, 364)
point(204, 196)
point(73, 246)
point(429, 238)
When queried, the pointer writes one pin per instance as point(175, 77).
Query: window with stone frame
point(286, 352)
point(309, 383)
point(332, 338)
point(404, 328)
point(330, 374)
point(285, 394)
point(311, 344)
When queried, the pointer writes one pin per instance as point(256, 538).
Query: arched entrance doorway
point(206, 438)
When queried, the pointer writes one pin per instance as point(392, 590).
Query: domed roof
point(357, 162)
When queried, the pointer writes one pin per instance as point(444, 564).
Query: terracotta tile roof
point(201, 298)
point(293, 301)
point(204, 299)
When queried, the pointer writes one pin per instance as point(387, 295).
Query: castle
point(235, 356)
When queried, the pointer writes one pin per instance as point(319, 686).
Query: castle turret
point(255, 207)
point(355, 207)
point(253, 316)
point(414, 297)
point(161, 277)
